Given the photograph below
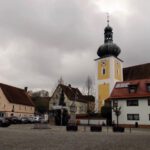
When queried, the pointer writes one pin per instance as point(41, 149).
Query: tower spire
point(107, 19)
point(108, 34)
point(108, 48)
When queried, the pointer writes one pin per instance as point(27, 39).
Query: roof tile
point(16, 95)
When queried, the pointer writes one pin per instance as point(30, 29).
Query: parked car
point(24, 120)
point(37, 119)
point(4, 122)
point(31, 120)
point(14, 120)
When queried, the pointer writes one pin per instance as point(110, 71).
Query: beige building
point(84, 103)
point(15, 102)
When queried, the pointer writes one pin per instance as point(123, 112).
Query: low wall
point(133, 126)
point(91, 121)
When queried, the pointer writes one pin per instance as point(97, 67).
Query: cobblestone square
point(24, 137)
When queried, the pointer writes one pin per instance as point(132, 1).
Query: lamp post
point(72, 122)
point(73, 110)
point(61, 115)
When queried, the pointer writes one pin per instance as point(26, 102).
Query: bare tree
point(41, 93)
point(89, 85)
point(117, 111)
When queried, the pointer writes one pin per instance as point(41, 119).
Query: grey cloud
point(43, 40)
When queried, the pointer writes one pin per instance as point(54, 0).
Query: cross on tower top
point(107, 19)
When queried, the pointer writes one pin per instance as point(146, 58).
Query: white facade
point(82, 107)
point(143, 109)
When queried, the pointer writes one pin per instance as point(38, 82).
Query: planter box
point(96, 128)
point(118, 129)
point(72, 128)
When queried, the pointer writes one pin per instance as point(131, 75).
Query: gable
point(71, 94)
point(16, 95)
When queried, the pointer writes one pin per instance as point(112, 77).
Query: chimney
point(26, 89)
point(69, 85)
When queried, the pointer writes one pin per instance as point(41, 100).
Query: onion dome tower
point(108, 48)
point(108, 67)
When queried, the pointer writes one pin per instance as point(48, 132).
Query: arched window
point(117, 71)
point(13, 108)
point(103, 71)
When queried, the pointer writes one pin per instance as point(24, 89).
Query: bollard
point(107, 129)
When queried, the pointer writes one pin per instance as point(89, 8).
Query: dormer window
point(148, 87)
point(132, 88)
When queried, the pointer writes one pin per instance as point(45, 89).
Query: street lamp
point(73, 110)
point(72, 122)
point(61, 115)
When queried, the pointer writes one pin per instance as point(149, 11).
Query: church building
point(108, 68)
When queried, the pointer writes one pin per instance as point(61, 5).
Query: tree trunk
point(117, 120)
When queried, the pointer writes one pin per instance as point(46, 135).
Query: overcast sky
point(42, 40)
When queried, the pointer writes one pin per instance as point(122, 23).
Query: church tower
point(108, 68)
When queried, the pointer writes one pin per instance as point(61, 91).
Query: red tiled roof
point(75, 94)
point(123, 91)
point(16, 95)
point(137, 72)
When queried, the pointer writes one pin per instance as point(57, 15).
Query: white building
point(15, 102)
point(134, 99)
point(84, 103)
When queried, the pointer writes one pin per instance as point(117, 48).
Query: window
point(149, 102)
point(81, 109)
point(103, 71)
point(1, 114)
point(117, 71)
point(133, 117)
point(13, 108)
point(132, 102)
point(122, 85)
point(56, 96)
point(115, 103)
point(132, 88)
point(148, 87)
